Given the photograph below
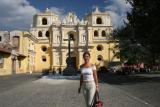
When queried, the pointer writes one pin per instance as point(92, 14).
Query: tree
point(129, 49)
point(141, 33)
point(145, 19)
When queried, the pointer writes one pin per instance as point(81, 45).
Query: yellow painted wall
point(22, 50)
point(27, 42)
point(23, 68)
point(40, 65)
point(6, 70)
point(25, 62)
point(107, 54)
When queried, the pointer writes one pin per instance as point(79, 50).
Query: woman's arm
point(95, 77)
point(80, 85)
point(81, 80)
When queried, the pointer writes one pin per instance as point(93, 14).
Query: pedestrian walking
point(88, 79)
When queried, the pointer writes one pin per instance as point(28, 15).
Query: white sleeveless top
point(88, 73)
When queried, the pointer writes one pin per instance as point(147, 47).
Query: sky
point(18, 14)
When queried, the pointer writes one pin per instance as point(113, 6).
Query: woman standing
point(88, 79)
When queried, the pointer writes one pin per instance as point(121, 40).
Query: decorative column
point(53, 58)
point(64, 53)
point(80, 54)
point(89, 35)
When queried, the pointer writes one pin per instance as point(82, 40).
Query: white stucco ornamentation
point(71, 19)
point(81, 30)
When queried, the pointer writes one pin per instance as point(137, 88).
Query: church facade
point(45, 45)
point(89, 34)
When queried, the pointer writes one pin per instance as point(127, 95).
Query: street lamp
point(70, 38)
point(69, 70)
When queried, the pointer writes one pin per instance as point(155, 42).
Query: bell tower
point(98, 18)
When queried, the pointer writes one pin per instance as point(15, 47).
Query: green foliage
point(129, 49)
point(139, 40)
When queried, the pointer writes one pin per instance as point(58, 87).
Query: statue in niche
point(84, 37)
point(71, 18)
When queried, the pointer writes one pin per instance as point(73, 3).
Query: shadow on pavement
point(62, 77)
point(127, 79)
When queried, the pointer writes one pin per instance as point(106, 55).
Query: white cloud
point(118, 9)
point(16, 14)
point(59, 11)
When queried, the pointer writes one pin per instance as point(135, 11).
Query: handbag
point(96, 102)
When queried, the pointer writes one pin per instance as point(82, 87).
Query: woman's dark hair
point(86, 53)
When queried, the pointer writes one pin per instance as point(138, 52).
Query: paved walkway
point(51, 92)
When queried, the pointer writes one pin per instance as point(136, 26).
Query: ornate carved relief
point(71, 19)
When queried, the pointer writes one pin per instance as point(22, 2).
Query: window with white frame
point(100, 58)
point(95, 33)
point(99, 47)
point(103, 33)
point(47, 34)
point(40, 34)
point(44, 48)
point(44, 59)
point(44, 21)
point(16, 41)
point(99, 20)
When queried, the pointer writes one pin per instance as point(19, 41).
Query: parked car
point(114, 67)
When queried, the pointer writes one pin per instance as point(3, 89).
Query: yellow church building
point(44, 46)
point(91, 33)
